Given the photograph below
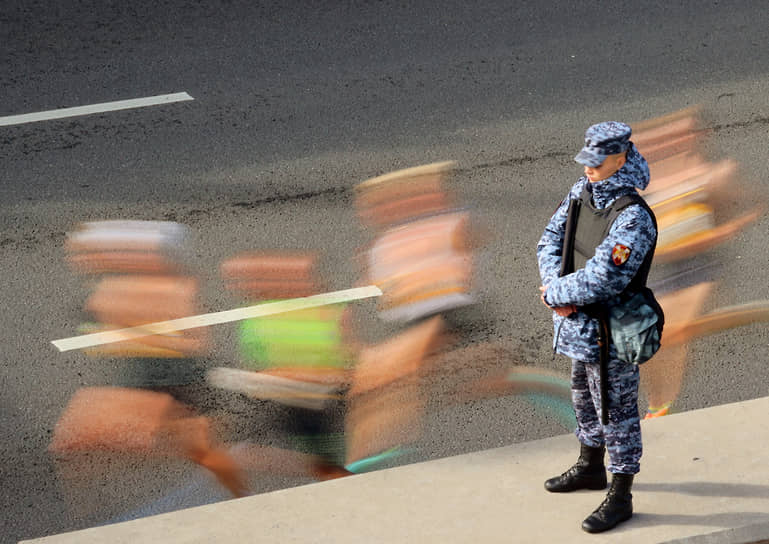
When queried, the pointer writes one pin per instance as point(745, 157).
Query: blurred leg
point(662, 376)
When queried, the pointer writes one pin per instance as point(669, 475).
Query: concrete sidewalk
point(704, 479)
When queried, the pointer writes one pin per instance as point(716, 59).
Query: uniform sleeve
point(550, 246)
point(610, 270)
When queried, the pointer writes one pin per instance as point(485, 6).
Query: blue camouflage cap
point(602, 140)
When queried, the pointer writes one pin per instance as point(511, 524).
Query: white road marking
point(205, 320)
point(94, 108)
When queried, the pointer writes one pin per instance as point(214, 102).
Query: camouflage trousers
point(622, 434)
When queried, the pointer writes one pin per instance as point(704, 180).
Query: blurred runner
point(299, 360)
point(138, 278)
point(688, 194)
point(421, 254)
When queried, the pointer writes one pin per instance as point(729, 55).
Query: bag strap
point(627, 200)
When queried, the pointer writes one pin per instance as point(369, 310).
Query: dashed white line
point(94, 108)
point(205, 320)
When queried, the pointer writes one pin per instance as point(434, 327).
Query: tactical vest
point(588, 226)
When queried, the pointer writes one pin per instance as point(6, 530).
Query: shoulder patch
point(620, 254)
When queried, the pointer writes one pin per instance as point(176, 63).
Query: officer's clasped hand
point(563, 311)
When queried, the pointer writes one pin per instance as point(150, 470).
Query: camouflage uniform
point(601, 280)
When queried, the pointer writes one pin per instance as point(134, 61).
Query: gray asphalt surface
point(294, 104)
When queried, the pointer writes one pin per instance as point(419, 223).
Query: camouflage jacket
point(601, 280)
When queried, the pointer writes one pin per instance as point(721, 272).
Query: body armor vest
point(588, 226)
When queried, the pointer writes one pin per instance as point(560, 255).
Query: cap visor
point(589, 158)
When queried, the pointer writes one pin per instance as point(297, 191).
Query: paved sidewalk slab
point(704, 476)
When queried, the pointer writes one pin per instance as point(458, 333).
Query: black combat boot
point(615, 508)
point(587, 473)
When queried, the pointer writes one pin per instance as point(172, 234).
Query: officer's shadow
point(704, 489)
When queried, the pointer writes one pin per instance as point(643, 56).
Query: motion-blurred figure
point(138, 278)
point(687, 194)
point(346, 407)
point(299, 360)
point(421, 255)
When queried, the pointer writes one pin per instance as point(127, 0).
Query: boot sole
point(602, 529)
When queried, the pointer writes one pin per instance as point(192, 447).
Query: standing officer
point(603, 266)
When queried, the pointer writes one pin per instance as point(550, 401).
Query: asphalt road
point(294, 103)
